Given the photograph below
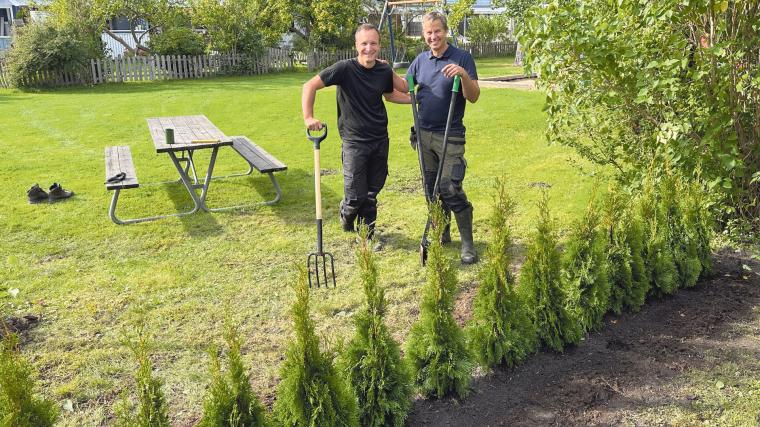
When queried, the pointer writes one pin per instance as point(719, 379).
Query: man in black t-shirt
point(362, 123)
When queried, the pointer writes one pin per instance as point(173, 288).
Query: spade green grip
point(457, 82)
point(410, 80)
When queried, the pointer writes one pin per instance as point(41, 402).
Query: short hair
point(366, 27)
point(435, 16)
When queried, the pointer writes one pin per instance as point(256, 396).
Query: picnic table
point(191, 133)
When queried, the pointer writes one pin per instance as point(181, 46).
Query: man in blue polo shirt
point(434, 72)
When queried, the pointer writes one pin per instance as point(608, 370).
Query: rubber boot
point(446, 235)
point(464, 223)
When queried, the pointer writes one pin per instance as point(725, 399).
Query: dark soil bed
point(624, 367)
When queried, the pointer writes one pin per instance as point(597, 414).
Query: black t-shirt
point(361, 111)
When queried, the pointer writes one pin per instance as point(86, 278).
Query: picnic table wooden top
point(186, 130)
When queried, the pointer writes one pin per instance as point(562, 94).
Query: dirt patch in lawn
point(626, 368)
point(18, 325)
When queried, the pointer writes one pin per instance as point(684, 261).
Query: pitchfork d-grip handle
point(317, 139)
point(457, 83)
point(410, 81)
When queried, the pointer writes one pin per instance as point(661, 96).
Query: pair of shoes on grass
point(55, 193)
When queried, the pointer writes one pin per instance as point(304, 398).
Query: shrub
point(625, 265)
point(658, 257)
point(630, 85)
point(483, 29)
point(436, 346)
point(585, 270)
point(151, 408)
point(501, 331)
point(230, 400)
point(680, 237)
point(19, 407)
point(311, 393)
point(177, 41)
point(700, 221)
point(372, 359)
point(42, 46)
point(541, 281)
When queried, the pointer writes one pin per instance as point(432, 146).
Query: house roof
point(9, 3)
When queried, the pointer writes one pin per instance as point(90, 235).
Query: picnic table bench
point(260, 160)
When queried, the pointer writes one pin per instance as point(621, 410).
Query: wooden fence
point(166, 67)
point(320, 59)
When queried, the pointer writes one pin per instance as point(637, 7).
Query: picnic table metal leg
point(115, 219)
point(191, 165)
point(278, 195)
point(207, 180)
point(186, 181)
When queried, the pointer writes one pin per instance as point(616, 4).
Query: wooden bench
point(119, 160)
point(260, 160)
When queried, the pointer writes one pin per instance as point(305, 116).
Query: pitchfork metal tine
point(321, 277)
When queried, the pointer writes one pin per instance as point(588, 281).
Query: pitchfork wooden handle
point(317, 184)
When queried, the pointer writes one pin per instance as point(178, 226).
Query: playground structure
point(398, 58)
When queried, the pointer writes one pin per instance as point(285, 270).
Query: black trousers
point(365, 169)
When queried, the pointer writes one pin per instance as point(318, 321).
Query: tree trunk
point(519, 55)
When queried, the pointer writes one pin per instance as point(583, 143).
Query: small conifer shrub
point(436, 347)
point(151, 404)
point(681, 235)
point(700, 224)
point(585, 270)
point(625, 265)
point(230, 401)
point(541, 281)
point(501, 332)
point(19, 406)
point(658, 257)
point(311, 392)
point(372, 359)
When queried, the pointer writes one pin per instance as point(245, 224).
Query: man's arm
point(308, 95)
point(470, 87)
point(399, 83)
point(398, 97)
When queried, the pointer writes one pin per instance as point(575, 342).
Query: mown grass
point(85, 275)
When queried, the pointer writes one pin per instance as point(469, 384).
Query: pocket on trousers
point(458, 170)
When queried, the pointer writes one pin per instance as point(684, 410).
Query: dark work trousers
point(454, 167)
point(365, 168)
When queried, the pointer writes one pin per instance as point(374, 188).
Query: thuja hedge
point(624, 249)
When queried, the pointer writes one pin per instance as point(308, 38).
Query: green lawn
point(85, 275)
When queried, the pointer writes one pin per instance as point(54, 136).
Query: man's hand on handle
point(312, 123)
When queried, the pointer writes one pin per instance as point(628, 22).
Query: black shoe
point(58, 193)
point(36, 194)
point(347, 226)
point(446, 234)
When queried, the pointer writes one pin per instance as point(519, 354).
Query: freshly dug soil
point(625, 366)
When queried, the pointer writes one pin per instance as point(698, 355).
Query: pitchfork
point(320, 256)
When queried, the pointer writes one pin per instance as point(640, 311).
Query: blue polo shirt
point(434, 89)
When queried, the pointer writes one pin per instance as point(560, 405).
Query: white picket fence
point(168, 67)
point(320, 59)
